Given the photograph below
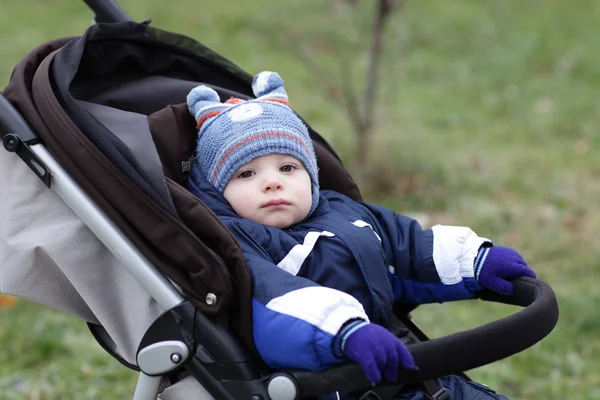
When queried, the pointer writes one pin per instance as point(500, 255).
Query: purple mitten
point(377, 351)
point(494, 266)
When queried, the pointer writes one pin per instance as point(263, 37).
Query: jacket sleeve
point(295, 321)
point(432, 265)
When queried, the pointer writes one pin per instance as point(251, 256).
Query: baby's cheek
point(244, 202)
point(248, 196)
point(304, 197)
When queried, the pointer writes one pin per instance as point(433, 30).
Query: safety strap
point(434, 391)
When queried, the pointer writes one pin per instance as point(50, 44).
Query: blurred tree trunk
point(364, 126)
point(338, 78)
point(344, 47)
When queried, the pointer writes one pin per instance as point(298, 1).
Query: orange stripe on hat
point(234, 100)
point(276, 100)
point(207, 116)
point(262, 135)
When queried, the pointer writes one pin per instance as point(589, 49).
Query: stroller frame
point(183, 338)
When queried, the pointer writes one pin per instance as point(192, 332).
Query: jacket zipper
point(374, 300)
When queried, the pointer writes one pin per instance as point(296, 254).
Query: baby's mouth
point(276, 202)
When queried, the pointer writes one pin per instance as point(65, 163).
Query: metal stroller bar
point(156, 284)
point(18, 136)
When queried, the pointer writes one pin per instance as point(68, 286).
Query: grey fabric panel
point(49, 256)
point(156, 90)
point(133, 130)
point(186, 389)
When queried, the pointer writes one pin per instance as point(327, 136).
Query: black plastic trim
point(95, 331)
point(217, 359)
point(14, 144)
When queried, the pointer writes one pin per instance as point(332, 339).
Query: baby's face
point(273, 190)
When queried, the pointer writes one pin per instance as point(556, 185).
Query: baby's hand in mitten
point(494, 266)
point(378, 352)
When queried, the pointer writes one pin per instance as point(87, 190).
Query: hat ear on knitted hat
point(203, 103)
point(268, 86)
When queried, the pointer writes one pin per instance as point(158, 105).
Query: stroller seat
point(101, 119)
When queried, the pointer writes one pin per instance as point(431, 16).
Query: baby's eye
point(245, 174)
point(287, 168)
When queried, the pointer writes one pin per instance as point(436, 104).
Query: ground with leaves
point(489, 118)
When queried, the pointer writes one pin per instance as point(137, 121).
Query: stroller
point(120, 243)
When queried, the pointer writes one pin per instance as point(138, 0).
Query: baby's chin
point(280, 224)
point(282, 221)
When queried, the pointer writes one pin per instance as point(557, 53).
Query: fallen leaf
point(581, 146)
point(7, 302)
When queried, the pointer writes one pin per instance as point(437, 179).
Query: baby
point(326, 269)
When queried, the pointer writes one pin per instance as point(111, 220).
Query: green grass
point(490, 120)
point(49, 355)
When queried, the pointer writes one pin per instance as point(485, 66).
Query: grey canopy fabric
point(47, 255)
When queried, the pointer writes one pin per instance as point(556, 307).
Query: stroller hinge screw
point(10, 143)
point(211, 299)
point(176, 358)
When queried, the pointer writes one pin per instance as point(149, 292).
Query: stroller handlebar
point(107, 11)
point(460, 351)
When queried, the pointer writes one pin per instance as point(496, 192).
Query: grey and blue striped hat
point(233, 133)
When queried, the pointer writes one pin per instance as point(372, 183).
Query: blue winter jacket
point(348, 260)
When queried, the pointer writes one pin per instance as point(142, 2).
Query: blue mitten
point(494, 266)
point(376, 350)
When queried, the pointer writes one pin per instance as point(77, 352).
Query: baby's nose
point(272, 184)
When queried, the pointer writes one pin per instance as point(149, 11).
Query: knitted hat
point(233, 133)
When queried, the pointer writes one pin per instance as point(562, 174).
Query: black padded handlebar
point(460, 351)
point(107, 11)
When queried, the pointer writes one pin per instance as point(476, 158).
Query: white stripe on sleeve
point(327, 309)
point(454, 251)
